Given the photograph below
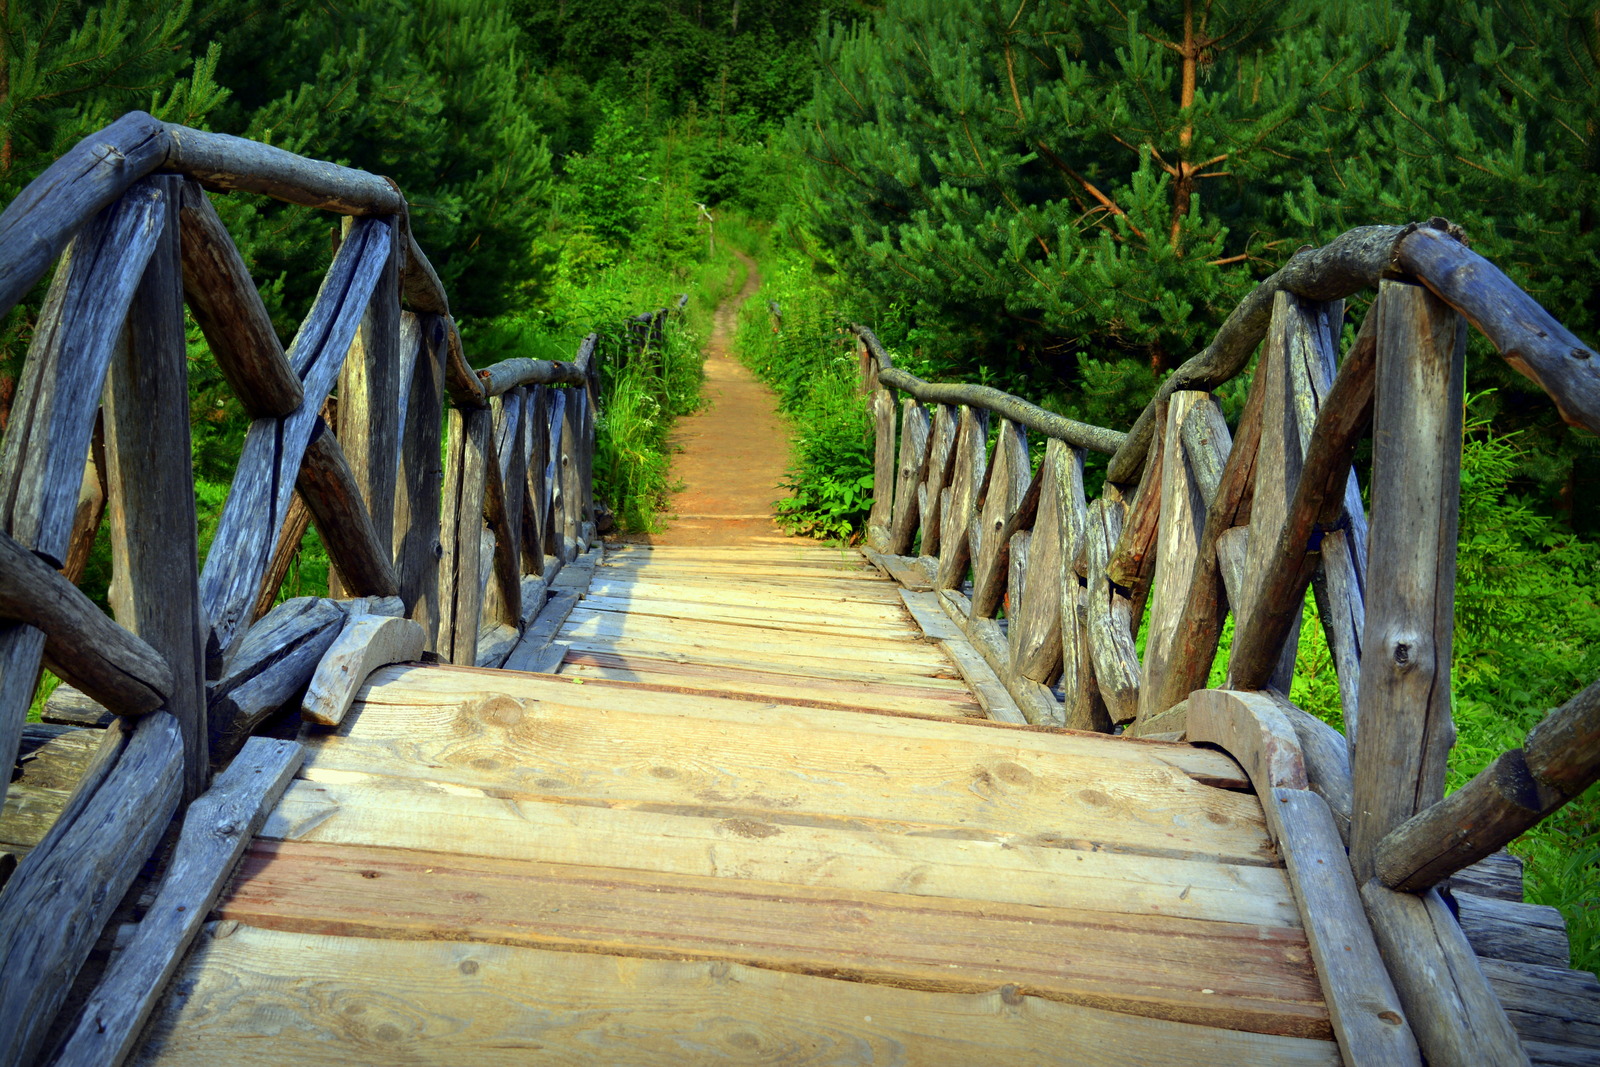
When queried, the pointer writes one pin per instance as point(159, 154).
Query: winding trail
point(732, 452)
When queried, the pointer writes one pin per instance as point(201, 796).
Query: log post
point(155, 557)
point(930, 493)
point(460, 591)
point(955, 550)
point(1406, 731)
point(914, 430)
point(883, 422)
point(47, 439)
point(1182, 512)
point(417, 546)
point(369, 396)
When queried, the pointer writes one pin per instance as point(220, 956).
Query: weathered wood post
point(1407, 730)
point(156, 592)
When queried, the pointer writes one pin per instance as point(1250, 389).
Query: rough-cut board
point(746, 840)
point(257, 997)
point(756, 685)
point(450, 687)
point(756, 614)
point(555, 738)
point(1237, 975)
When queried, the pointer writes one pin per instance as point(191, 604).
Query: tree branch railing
point(349, 424)
point(1195, 521)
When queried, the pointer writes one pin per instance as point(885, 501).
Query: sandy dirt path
point(733, 451)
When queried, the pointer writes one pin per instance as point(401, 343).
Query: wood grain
point(1399, 767)
point(1259, 977)
point(262, 996)
point(366, 643)
point(229, 311)
point(154, 552)
point(1176, 551)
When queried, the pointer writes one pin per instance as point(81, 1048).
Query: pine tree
point(69, 67)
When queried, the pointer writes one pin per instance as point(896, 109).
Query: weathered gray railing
point(195, 660)
point(1194, 521)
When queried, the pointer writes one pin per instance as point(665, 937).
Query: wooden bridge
point(542, 799)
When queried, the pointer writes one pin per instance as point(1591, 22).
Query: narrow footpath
point(731, 453)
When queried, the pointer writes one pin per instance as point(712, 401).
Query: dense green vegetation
point(1059, 197)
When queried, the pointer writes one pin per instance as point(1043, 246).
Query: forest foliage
point(1062, 198)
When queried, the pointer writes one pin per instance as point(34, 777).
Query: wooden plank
point(797, 664)
point(1084, 707)
point(907, 572)
point(1008, 486)
point(420, 482)
point(1251, 728)
point(746, 839)
point(590, 621)
point(1110, 616)
point(1036, 702)
point(460, 594)
point(1200, 626)
point(366, 643)
point(250, 989)
point(856, 607)
point(65, 889)
point(1176, 552)
point(495, 643)
point(941, 455)
point(71, 707)
point(1549, 1004)
point(1366, 1010)
point(258, 500)
point(1526, 335)
point(502, 603)
point(228, 162)
point(228, 309)
point(1399, 768)
point(284, 551)
point(909, 473)
point(930, 617)
point(1497, 876)
point(757, 614)
point(546, 658)
point(1512, 930)
point(154, 553)
point(1206, 766)
point(216, 829)
point(528, 728)
point(955, 549)
point(360, 552)
point(883, 468)
point(752, 684)
point(92, 174)
point(1258, 976)
point(1132, 562)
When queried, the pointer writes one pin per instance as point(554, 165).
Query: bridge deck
point(751, 819)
